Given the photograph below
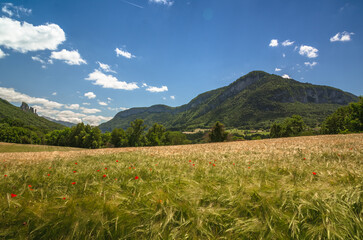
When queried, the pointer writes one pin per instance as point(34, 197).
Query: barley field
point(287, 188)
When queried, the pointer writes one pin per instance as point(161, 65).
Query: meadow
point(286, 188)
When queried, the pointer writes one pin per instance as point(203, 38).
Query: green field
point(288, 188)
point(11, 147)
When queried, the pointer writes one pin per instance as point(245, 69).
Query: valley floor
point(287, 188)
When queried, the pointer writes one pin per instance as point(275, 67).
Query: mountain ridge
point(254, 95)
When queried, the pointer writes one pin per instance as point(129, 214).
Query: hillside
point(252, 101)
point(27, 118)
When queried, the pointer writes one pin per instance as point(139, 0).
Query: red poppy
point(106, 168)
point(64, 198)
point(249, 167)
point(193, 164)
point(5, 175)
point(76, 163)
point(48, 174)
point(304, 158)
point(314, 173)
point(30, 186)
point(136, 177)
point(214, 165)
point(210, 162)
point(74, 171)
point(104, 175)
point(73, 183)
point(98, 170)
point(190, 160)
point(116, 160)
point(13, 195)
point(233, 163)
point(50, 168)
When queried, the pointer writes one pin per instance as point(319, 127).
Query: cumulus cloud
point(54, 94)
point(125, 53)
point(69, 57)
point(308, 51)
point(24, 37)
point(95, 120)
point(12, 10)
point(341, 37)
point(72, 106)
point(172, 97)
point(277, 69)
point(156, 89)
point(38, 59)
point(286, 76)
point(90, 110)
point(105, 67)
point(109, 81)
point(102, 103)
point(311, 64)
point(274, 43)
point(117, 109)
point(13, 96)
point(162, 2)
point(2, 54)
point(90, 95)
point(287, 43)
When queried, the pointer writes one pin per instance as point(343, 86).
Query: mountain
point(252, 101)
point(26, 115)
point(64, 123)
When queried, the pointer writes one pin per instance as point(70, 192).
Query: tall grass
point(255, 190)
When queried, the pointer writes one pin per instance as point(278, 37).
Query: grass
point(262, 189)
point(13, 147)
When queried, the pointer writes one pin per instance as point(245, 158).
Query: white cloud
point(109, 81)
point(277, 69)
point(95, 120)
point(72, 106)
point(69, 57)
point(109, 99)
point(144, 85)
point(341, 37)
point(86, 103)
point(274, 43)
point(90, 110)
point(38, 59)
point(117, 109)
point(11, 10)
point(156, 89)
point(125, 54)
point(90, 95)
point(164, 98)
point(308, 51)
point(287, 43)
point(163, 2)
point(105, 67)
point(24, 37)
point(286, 76)
point(172, 97)
point(311, 64)
point(13, 96)
point(54, 94)
point(102, 103)
point(283, 55)
point(2, 54)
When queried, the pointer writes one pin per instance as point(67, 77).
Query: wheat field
point(287, 188)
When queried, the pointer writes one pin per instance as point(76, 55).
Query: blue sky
point(86, 60)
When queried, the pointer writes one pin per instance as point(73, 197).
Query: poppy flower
point(64, 198)
point(98, 170)
point(106, 168)
point(13, 195)
point(50, 168)
point(76, 163)
point(116, 160)
point(190, 160)
point(48, 174)
point(210, 162)
point(314, 173)
point(104, 175)
point(304, 158)
point(73, 183)
point(193, 164)
point(129, 167)
point(249, 167)
point(233, 164)
point(30, 186)
point(5, 175)
point(214, 165)
point(136, 177)
point(74, 171)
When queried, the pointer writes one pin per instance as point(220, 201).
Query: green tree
point(218, 133)
point(155, 135)
point(119, 138)
point(293, 126)
point(135, 133)
point(175, 138)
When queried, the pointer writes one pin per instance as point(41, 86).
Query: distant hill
point(67, 124)
point(27, 116)
point(252, 101)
